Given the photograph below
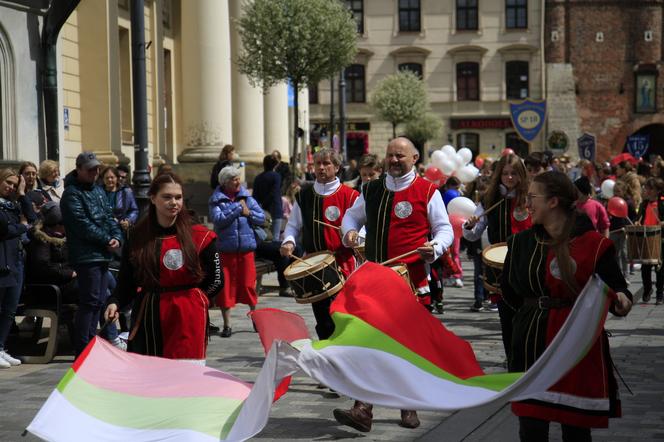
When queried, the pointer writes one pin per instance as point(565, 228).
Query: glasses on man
point(531, 196)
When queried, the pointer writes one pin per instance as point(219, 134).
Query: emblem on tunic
point(403, 209)
point(555, 269)
point(520, 214)
point(173, 259)
point(332, 213)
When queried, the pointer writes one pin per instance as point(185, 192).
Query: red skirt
point(239, 280)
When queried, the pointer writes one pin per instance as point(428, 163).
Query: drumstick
point(486, 212)
point(328, 225)
point(301, 260)
point(396, 258)
point(617, 230)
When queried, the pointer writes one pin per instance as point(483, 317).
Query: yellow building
point(196, 99)
point(473, 55)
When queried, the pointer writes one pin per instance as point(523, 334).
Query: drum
point(402, 270)
point(644, 244)
point(493, 258)
point(314, 278)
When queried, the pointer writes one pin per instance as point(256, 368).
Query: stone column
point(275, 103)
point(206, 80)
point(248, 129)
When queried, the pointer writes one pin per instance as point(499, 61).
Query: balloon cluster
point(447, 161)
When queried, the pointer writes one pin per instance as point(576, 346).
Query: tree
point(423, 129)
point(399, 98)
point(299, 41)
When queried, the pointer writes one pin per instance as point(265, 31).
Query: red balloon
point(507, 151)
point(617, 207)
point(479, 162)
point(457, 224)
point(433, 174)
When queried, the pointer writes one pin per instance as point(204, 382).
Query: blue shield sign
point(528, 118)
point(638, 145)
point(587, 146)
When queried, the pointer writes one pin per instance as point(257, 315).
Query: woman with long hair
point(545, 269)
point(28, 170)
point(14, 226)
point(226, 157)
point(170, 270)
point(120, 199)
point(507, 190)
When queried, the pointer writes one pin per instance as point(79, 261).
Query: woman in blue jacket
point(235, 214)
point(11, 259)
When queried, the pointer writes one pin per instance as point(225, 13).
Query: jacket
point(267, 191)
point(125, 206)
point(88, 221)
point(11, 248)
point(47, 258)
point(235, 233)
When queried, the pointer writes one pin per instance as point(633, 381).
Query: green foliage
point(424, 128)
point(400, 98)
point(303, 41)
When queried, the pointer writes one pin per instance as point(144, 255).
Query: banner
point(587, 146)
point(528, 118)
point(638, 145)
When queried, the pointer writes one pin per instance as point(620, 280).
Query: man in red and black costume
point(400, 211)
point(326, 201)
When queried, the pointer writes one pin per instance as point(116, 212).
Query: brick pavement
point(305, 413)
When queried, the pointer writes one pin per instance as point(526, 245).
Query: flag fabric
point(386, 350)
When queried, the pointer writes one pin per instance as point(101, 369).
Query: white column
point(275, 104)
point(248, 132)
point(206, 79)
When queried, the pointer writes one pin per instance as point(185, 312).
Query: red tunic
point(182, 306)
point(329, 209)
point(588, 385)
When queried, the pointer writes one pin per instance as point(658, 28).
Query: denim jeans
point(93, 280)
point(276, 229)
point(478, 281)
point(9, 297)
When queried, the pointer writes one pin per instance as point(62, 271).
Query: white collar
point(505, 194)
point(327, 188)
point(399, 183)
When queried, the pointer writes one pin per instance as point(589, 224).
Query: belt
point(547, 302)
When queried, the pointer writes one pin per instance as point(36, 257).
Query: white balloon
point(607, 188)
point(436, 157)
point(458, 161)
point(448, 150)
point(461, 206)
point(467, 173)
point(447, 166)
point(466, 154)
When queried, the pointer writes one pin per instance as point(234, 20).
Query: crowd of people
point(165, 271)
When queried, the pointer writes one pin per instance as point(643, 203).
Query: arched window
point(415, 68)
point(8, 148)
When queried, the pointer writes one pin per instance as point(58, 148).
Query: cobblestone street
point(305, 413)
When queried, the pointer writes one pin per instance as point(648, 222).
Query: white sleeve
point(476, 232)
point(355, 217)
point(441, 229)
point(294, 225)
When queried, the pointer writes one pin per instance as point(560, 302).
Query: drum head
point(401, 269)
point(310, 263)
point(495, 254)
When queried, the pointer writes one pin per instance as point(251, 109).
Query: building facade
point(603, 63)
point(197, 100)
point(474, 56)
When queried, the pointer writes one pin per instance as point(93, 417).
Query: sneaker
point(438, 307)
point(458, 283)
point(4, 364)
point(476, 308)
point(659, 298)
point(491, 308)
point(286, 292)
point(7, 358)
point(646, 296)
point(119, 344)
point(213, 328)
point(226, 332)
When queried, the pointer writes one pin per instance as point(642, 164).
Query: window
point(514, 142)
point(646, 92)
point(516, 14)
point(469, 140)
point(415, 68)
point(409, 15)
point(313, 94)
point(516, 79)
point(355, 89)
point(466, 15)
point(468, 81)
point(357, 8)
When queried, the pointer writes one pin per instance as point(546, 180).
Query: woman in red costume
point(507, 195)
point(170, 270)
point(545, 269)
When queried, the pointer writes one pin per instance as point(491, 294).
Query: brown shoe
point(409, 419)
point(358, 417)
